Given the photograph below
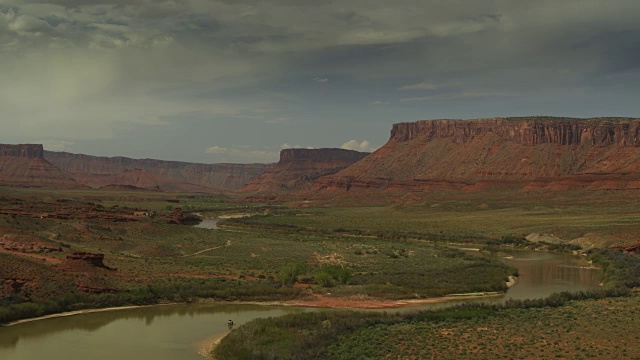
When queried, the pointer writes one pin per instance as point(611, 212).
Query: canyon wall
point(528, 152)
point(98, 171)
point(527, 131)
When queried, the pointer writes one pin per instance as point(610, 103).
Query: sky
point(238, 80)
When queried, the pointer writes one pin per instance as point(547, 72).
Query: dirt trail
point(209, 249)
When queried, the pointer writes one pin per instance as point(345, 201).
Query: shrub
point(289, 272)
point(324, 279)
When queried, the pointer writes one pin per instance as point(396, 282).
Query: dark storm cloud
point(94, 66)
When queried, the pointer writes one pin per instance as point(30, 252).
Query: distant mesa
point(29, 165)
point(151, 174)
point(22, 150)
point(299, 168)
point(523, 153)
point(529, 153)
point(24, 166)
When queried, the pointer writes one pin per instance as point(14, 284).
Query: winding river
point(188, 331)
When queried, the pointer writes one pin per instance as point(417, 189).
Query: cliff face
point(22, 150)
point(298, 168)
point(23, 165)
point(98, 171)
point(527, 131)
point(515, 152)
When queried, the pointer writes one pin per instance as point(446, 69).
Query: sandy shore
point(321, 301)
point(206, 346)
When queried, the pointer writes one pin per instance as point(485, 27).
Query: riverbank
point(206, 346)
point(327, 302)
point(361, 302)
point(318, 301)
point(80, 312)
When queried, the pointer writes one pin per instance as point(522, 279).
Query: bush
point(324, 279)
point(289, 272)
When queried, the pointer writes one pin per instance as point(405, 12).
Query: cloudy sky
point(238, 80)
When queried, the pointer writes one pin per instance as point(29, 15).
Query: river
point(185, 331)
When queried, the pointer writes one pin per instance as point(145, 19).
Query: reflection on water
point(208, 224)
point(159, 332)
point(174, 331)
point(542, 274)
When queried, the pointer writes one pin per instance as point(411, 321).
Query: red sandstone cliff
point(24, 165)
point(530, 152)
point(298, 168)
point(99, 171)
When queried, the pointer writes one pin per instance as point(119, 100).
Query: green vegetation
point(366, 335)
point(289, 273)
point(590, 217)
point(569, 332)
point(147, 251)
point(557, 324)
point(619, 269)
point(379, 252)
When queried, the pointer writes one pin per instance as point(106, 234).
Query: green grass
point(600, 217)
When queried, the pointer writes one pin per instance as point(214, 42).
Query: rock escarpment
point(99, 171)
point(82, 261)
point(528, 152)
point(298, 168)
point(23, 165)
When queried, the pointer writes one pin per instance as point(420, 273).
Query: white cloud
point(287, 146)
point(320, 80)
point(278, 120)
point(56, 145)
point(425, 85)
point(216, 150)
point(368, 37)
point(26, 25)
point(242, 154)
point(358, 146)
point(467, 94)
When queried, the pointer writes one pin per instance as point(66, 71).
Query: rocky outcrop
point(298, 168)
point(176, 217)
point(99, 171)
point(24, 166)
point(529, 152)
point(82, 261)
